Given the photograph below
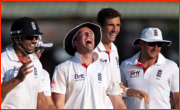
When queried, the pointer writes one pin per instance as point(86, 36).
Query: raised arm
point(8, 86)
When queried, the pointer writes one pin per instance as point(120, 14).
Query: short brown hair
point(107, 13)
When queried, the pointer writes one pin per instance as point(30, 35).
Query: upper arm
point(176, 96)
point(117, 101)
point(59, 100)
point(176, 99)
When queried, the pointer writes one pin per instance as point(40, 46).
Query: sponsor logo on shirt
point(159, 73)
point(102, 60)
point(134, 73)
point(99, 77)
point(35, 72)
point(78, 77)
point(15, 68)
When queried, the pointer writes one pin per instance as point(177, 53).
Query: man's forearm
point(177, 105)
point(131, 92)
point(8, 86)
point(41, 102)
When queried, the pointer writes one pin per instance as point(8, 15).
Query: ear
point(75, 43)
point(141, 43)
point(99, 24)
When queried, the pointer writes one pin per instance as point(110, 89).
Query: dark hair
point(107, 13)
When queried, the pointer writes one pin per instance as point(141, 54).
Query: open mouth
point(88, 41)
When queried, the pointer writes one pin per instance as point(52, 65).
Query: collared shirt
point(24, 95)
point(111, 58)
point(157, 81)
point(85, 88)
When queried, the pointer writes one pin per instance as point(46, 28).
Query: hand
point(23, 71)
point(123, 87)
point(141, 95)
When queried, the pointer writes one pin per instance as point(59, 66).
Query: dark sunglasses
point(152, 44)
point(31, 37)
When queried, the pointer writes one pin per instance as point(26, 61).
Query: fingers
point(122, 86)
point(141, 95)
point(25, 69)
point(146, 99)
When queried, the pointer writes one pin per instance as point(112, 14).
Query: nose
point(115, 28)
point(156, 46)
point(34, 39)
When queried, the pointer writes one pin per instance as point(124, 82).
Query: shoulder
point(171, 63)
point(126, 62)
point(3, 55)
point(63, 66)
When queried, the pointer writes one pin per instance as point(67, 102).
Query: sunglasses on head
point(31, 37)
point(152, 44)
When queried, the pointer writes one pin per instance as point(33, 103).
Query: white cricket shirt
point(24, 95)
point(85, 88)
point(157, 81)
point(47, 88)
point(111, 58)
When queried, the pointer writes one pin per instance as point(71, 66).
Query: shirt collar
point(77, 57)
point(160, 60)
point(12, 55)
point(102, 48)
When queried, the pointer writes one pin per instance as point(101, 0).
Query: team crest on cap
point(33, 25)
point(155, 32)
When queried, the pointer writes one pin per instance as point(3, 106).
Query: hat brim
point(136, 41)
point(67, 44)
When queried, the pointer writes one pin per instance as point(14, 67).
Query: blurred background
point(57, 18)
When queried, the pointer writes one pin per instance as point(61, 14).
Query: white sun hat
point(151, 34)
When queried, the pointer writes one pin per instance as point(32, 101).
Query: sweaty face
point(29, 42)
point(84, 40)
point(110, 30)
point(151, 52)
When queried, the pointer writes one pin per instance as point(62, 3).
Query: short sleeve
point(47, 89)
point(175, 80)
point(58, 84)
point(41, 82)
point(113, 87)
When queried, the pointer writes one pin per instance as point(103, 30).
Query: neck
point(20, 54)
point(87, 58)
point(147, 62)
point(107, 45)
